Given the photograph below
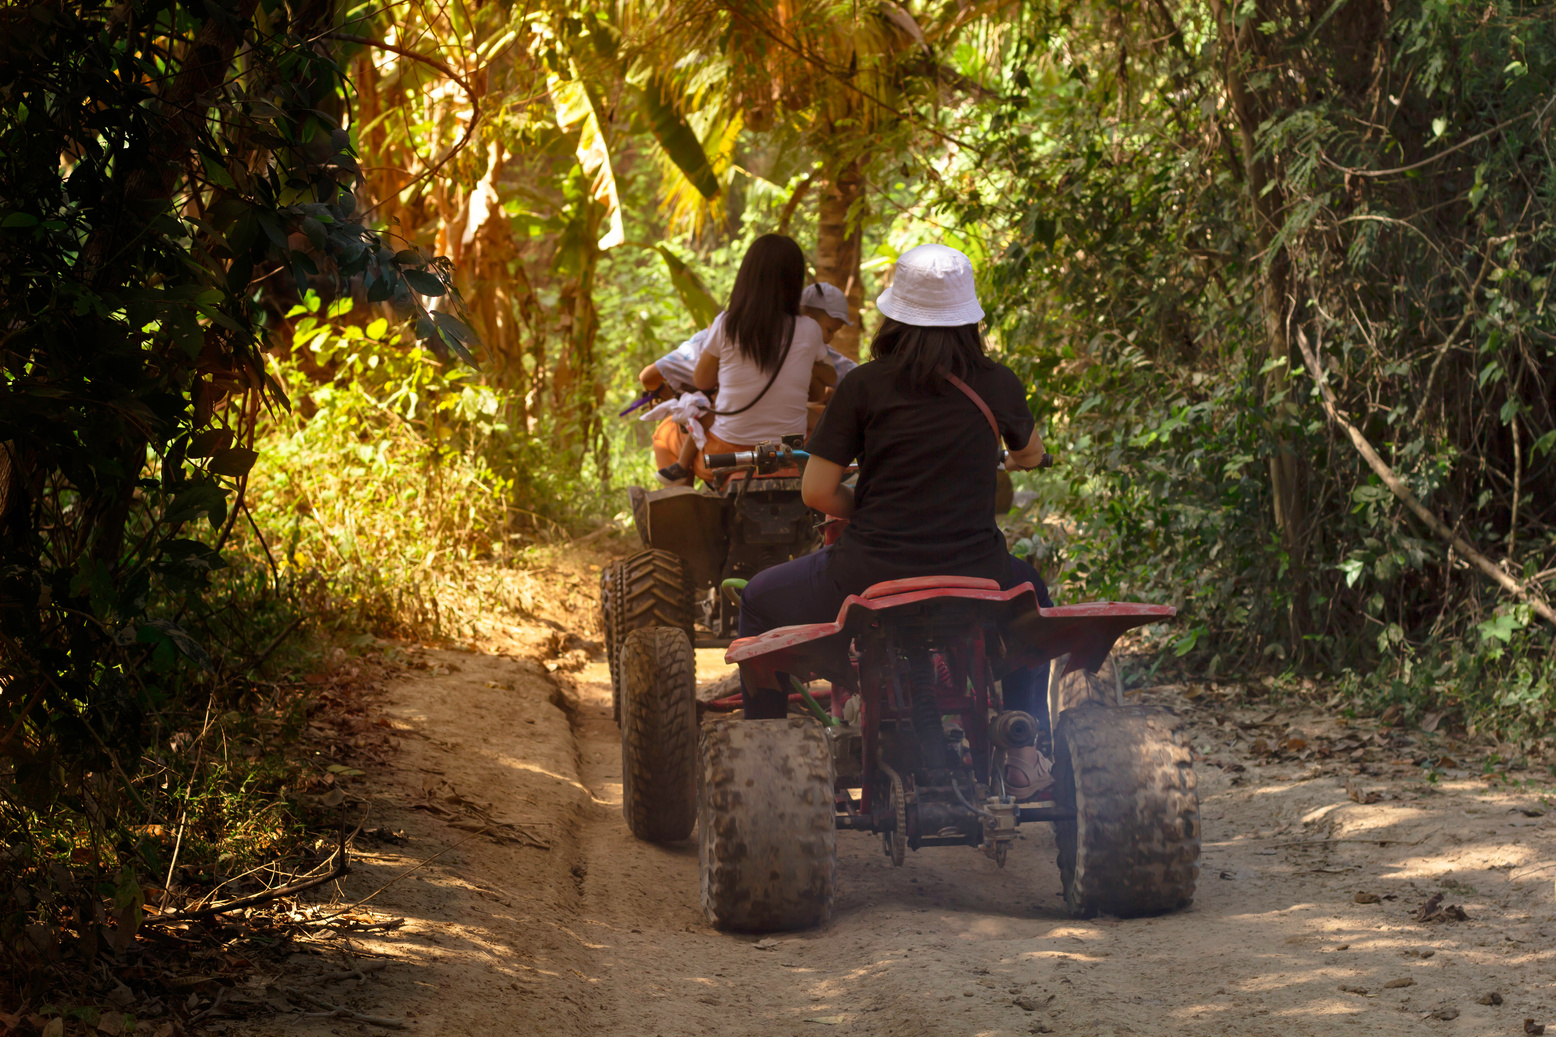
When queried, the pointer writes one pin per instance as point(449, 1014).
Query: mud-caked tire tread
point(654, 589)
point(767, 840)
point(658, 733)
point(648, 589)
point(1133, 847)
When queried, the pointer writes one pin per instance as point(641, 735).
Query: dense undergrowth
point(235, 450)
point(1373, 185)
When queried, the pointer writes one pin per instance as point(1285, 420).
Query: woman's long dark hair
point(922, 355)
point(766, 300)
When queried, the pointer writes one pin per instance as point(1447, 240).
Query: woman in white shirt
point(762, 352)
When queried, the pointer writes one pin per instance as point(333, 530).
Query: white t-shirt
point(840, 363)
point(677, 365)
point(781, 412)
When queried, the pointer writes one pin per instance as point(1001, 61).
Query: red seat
point(928, 583)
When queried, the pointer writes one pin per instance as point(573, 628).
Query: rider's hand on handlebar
point(1013, 465)
point(1031, 455)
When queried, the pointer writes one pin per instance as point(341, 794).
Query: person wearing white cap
point(826, 305)
point(926, 419)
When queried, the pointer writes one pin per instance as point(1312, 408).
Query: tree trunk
point(838, 245)
point(1288, 474)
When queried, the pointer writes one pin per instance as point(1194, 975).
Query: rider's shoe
point(1027, 773)
point(675, 475)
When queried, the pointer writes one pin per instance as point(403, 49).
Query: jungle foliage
point(164, 170)
point(320, 316)
point(1215, 190)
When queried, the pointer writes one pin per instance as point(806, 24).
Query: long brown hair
point(923, 356)
point(765, 301)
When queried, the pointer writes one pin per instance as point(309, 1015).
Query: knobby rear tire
point(648, 589)
point(1133, 847)
point(767, 842)
point(1068, 690)
point(658, 734)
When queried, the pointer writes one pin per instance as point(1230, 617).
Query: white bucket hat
point(828, 298)
point(933, 288)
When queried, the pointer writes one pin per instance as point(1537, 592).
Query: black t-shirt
point(924, 503)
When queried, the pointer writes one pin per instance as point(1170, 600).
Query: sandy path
point(601, 934)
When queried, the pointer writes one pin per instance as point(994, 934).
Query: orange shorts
point(668, 439)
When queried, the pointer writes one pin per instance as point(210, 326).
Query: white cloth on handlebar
point(684, 409)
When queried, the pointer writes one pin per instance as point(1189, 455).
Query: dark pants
point(803, 591)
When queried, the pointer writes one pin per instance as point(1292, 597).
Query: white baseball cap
point(932, 288)
point(828, 298)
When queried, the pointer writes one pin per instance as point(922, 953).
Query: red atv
point(911, 746)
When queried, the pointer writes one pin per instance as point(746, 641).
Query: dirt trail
point(600, 934)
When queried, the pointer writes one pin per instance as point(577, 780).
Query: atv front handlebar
point(742, 458)
point(764, 458)
point(1046, 461)
point(767, 457)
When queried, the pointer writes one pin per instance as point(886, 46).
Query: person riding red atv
point(933, 638)
point(881, 757)
point(913, 744)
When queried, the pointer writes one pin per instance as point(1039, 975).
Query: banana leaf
point(677, 138)
point(699, 302)
point(576, 106)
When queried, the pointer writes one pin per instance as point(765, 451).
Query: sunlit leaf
point(576, 108)
point(699, 302)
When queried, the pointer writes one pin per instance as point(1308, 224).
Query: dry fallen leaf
point(1356, 793)
point(1444, 1014)
point(1434, 911)
point(1366, 898)
point(1354, 990)
point(1395, 984)
point(1530, 1027)
point(1492, 998)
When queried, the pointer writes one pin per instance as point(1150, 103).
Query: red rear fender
point(1032, 635)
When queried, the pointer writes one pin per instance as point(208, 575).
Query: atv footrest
point(1045, 810)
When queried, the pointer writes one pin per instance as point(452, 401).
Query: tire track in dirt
point(950, 944)
point(602, 934)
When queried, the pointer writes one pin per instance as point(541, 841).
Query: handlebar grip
point(1046, 461)
point(724, 460)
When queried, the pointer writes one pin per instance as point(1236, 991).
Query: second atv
point(659, 604)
